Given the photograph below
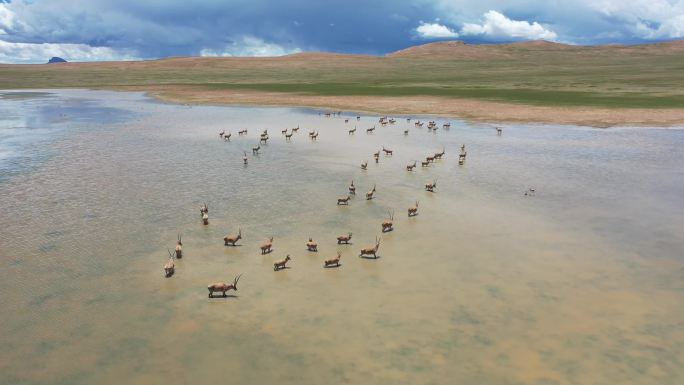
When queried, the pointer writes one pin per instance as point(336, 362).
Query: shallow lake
point(580, 283)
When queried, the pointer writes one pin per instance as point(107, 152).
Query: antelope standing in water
point(387, 152)
point(430, 158)
point(352, 188)
point(242, 132)
point(278, 265)
point(311, 245)
point(439, 155)
point(413, 211)
point(255, 150)
point(424, 163)
point(344, 239)
point(371, 250)
point(333, 262)
point(244, 157)
point(223, 287)
point(370, 130)
point(411, 166)
point(431, 186)
point(499, 131)
point(179, 247)
point(226, 138)
point(267, 247)
point(221, 134)
point(288, 136)
point(170, 266)
point(352, 131)
point(387, 225)
point(369, 194)
point(364, 165)
point(343, 200)
point(231, 240)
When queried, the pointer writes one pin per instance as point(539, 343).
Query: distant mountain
point(56, 59)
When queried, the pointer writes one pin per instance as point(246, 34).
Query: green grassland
point(647, 76)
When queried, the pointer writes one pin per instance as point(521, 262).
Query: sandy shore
point(467, 109)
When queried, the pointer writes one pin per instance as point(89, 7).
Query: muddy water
point(580, 284)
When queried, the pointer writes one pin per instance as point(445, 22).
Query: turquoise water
point(581, 283)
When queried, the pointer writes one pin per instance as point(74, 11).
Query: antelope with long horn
point(231, 240)
point(371, 250)
point(352, 131)
point(369, 194)
point(343, 200)
point(244, 157)
point(431, 186)
point(311, 245)
point(255, 150)
point(221, 134)
point(387, 225)
point(430, 158)
point(424, 163)
point(295, 129)
point(179, 247)
point(223, 287)
point(170, 266)
point(267, 247)
point(364, 165)
point(439, 155)
point(411, 166)
point(413, 211)
point(387, 152)
point(352, 188)
point(333, 262)
point(226, 138)
point(278, 265)
point(344, 239)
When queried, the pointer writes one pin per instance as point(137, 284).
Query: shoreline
point(478, 111)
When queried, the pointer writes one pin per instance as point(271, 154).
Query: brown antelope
point(344, 200)
point(411, 166)
point(344, 239)
point(499, 131)
point(424, 163)
point(278, 265)
point(370, 130)
point(387, 151)
point(295, 129)
point(311, 245)
point(231, 240)
point(314, 136)
point(255, 150)
point(179, 247)
point(244, 157)
point(369, 194)
point(352, 131)
point(431, 186)
point(439, 155)
point(387, 225)
point(223, 287)
point(242, 132)
point(267, 247)
point(352, 188)
point(288, 136)
point(371, 250)
point(413, 211)
point(263, 139)
point(333, 262)
point(364, 165)
point(226, 138)
point(221, 134)
point(170, 266)
point(284, 131)
point(430, 158)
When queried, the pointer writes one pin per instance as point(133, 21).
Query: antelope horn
point(237, 278)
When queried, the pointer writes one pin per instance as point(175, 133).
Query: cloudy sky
point(32, 31)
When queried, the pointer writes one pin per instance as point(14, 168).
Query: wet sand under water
point(580, 284)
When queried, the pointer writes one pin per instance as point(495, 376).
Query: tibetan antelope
point(179, 247)
point(411, 166)
point(278, 265)
point(267, 247)
point(370, 130)
point(333, 262)
point(311, 245)
point(352, 188)
point(221, 134)
point(371, 250)
point(364, 165)
point(352, 131)
point(231, 240)
point(387, 225)
point(170, 266)
point(242, 132)
point(226, 138)
point(344, 239)
point(431, 186)
point(413, 211)
point(387, 152)
point(288, 136)
point(223, 287)
point(255, 150)
point(369, 194)
point(244, 157)
point(424, 163)
point(295, 129)
point(439, 155)
point(343, 200)
point(430, 158)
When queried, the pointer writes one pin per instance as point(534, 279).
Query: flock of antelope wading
point(311, 245)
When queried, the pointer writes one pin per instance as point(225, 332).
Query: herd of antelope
point(345, 239)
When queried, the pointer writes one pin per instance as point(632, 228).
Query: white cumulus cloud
point(497, 25)
point(11, 52)
point(435, 31)
point(250, 46)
